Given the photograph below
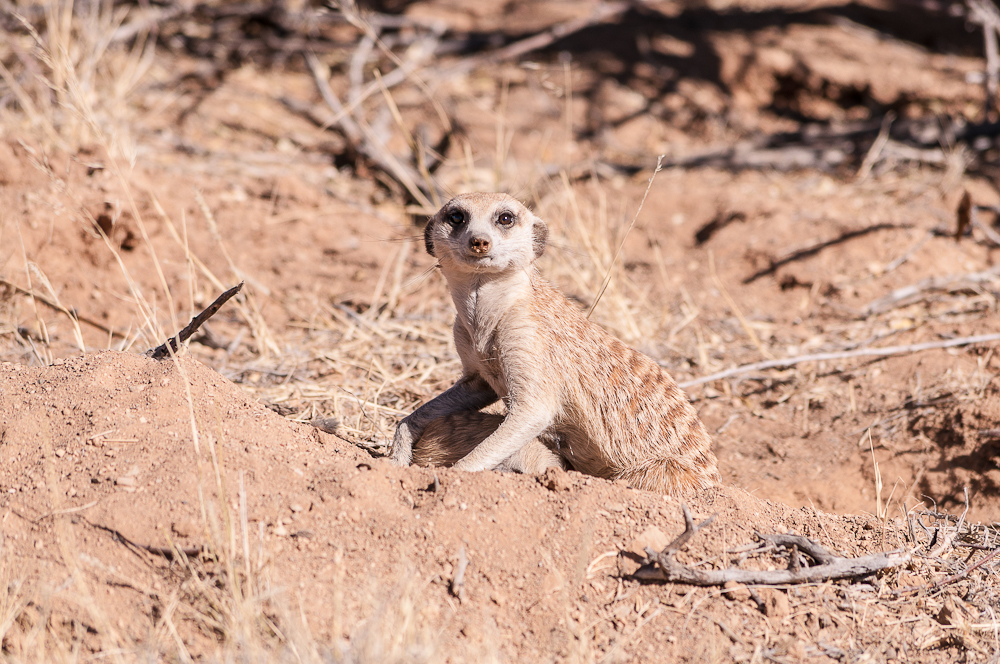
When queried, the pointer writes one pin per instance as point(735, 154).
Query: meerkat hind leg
point(450, 438)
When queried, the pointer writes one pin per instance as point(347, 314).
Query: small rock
point(557, 479)
point(280, 530)
point(552, 582)
point(295, 507)
point(776, 604)
point(950, 614)
point(736, 592)
point(652, 537)
point(126, 481)
point(60, 453)
point(790, 646)
point(326, 424)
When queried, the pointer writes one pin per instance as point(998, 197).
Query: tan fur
point(613, 412)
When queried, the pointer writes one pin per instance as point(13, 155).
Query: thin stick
point(607, 277)
point(690, 529)
point(945, 282)
point(843, 355)
point(964, 573)
point(876, 149)
point(602, 12)
point(58, 307)
point(360, 134)
point(171, 345)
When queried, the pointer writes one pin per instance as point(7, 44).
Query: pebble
point(652, 537)
point(736, 591)
point(557, 479)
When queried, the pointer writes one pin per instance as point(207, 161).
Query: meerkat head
point(485, 232)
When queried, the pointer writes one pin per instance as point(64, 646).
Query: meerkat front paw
point(469, 466)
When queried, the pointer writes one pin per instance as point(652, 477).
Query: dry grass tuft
point(70, 77)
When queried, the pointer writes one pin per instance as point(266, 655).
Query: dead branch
point(840, 355)
point(830, 566)
point(171, 345)
point(807, 546)
point(364, 140)
point(603, 12)
point(689, 531)
point(913, 292)
point(828, 150)
point(964, 573)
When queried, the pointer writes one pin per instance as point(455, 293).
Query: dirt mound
point(114, 464)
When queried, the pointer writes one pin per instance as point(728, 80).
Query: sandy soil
point(186, 509)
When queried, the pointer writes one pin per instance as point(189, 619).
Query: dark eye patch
point(506, 219)
point(455, 217)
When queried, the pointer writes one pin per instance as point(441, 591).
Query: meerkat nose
point(480, 245)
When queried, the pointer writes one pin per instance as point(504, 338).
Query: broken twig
point(830, 566)
point(71, 313)
point(171, 345)
point(841, 355)
point(364, 140)
point(910, 294)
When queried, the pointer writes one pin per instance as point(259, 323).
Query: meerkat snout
point(480, 245)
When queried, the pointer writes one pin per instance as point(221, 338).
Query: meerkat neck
point(482, 299)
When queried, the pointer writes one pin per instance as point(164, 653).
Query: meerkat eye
point(456, 217)
point(506, 219)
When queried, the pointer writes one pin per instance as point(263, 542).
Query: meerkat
point(605, 409)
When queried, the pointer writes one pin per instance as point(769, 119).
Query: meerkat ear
point(539, 236)
point(428, 239)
